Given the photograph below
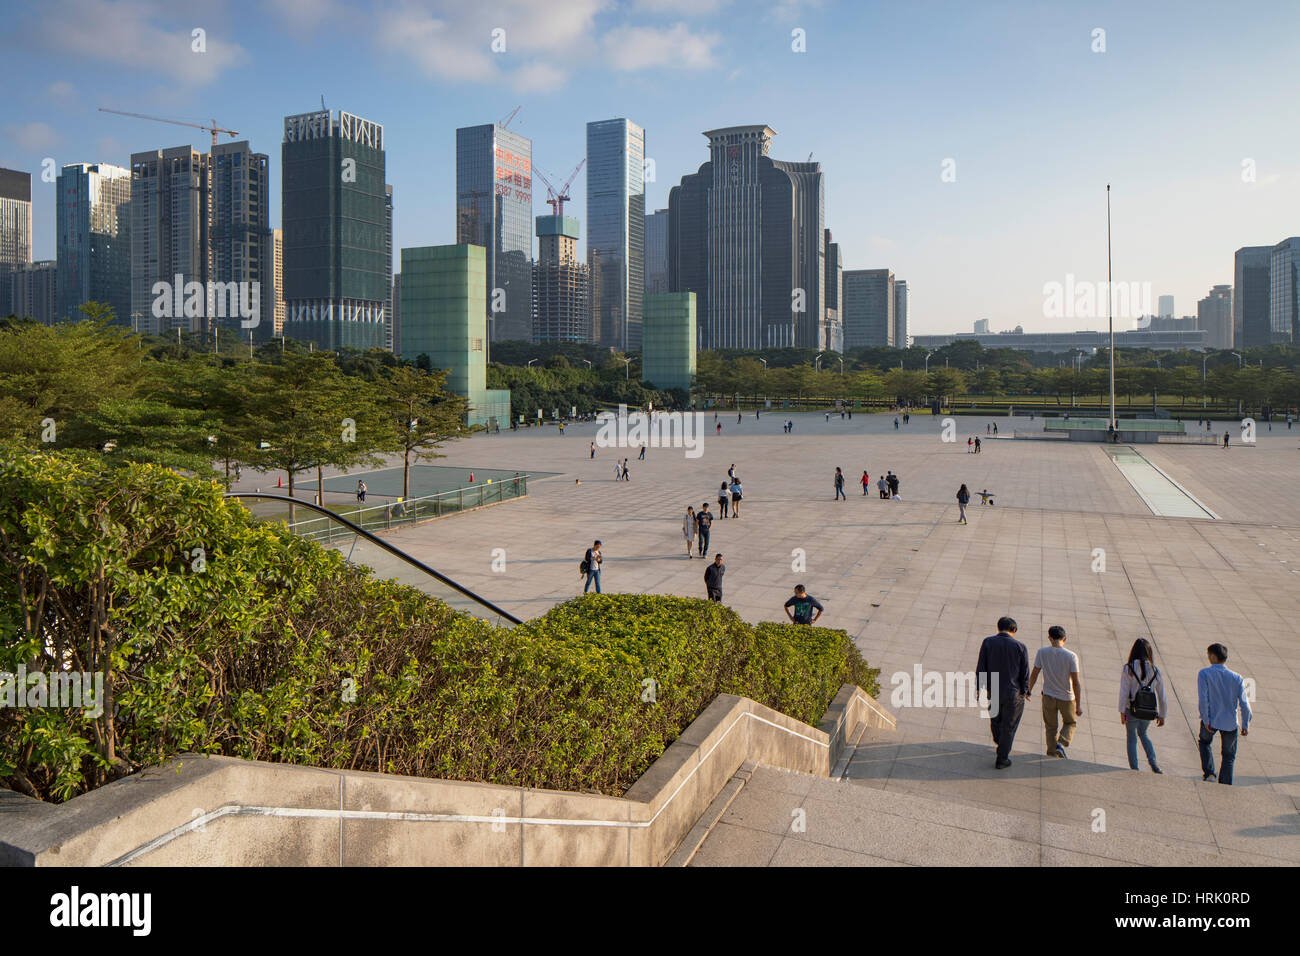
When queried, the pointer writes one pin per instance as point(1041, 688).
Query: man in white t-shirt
point(1062, 694)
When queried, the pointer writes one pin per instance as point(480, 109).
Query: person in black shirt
point(1003, 668)
point(713, 578)
point(705, 521)
point(803, 604)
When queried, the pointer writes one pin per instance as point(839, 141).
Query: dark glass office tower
point(335, 230)
point(747, 235)
point(616, 229)
point(1250, 296)
point(240, 236)
point(494, 209)
point(93, 226)
point(869, 301)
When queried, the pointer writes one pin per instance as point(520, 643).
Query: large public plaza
point(1070, 540)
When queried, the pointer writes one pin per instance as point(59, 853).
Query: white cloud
point(308, 15)
point(676, 47)
point(130, 34)
point(62, 91)
point(33, 137)
point(452, 40)
point(687, 8)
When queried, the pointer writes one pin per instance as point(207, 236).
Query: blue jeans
point(592, 576)
point(839, 493)
point(1137, 730)
point(1227, 752)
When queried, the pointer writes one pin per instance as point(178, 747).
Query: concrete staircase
point(893, 802)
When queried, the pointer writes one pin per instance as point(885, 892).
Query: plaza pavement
point(913, 587)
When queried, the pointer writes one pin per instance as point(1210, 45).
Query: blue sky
point(1035, 120)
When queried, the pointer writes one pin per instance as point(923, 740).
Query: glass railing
point(360, 546)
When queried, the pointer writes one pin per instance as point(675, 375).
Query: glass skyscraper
point(1250, 296)
point(240, 236)
point(93, 227)
point(15, 228)
point(868, 308)
point(494, 209)
point(335, 219)
point(616, 230)
point(1284, 292)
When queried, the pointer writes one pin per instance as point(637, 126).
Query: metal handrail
point(381, 543)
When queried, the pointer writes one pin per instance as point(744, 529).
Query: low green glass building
point(668, 340)
point(444, 316)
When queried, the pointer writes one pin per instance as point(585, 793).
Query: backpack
point(584, 566)
point(1143, 704)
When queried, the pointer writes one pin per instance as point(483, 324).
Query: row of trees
point(1252, 386)
point(95, 387)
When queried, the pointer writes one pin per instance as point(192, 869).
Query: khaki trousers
point(1052, 708)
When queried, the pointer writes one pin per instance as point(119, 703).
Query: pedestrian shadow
point(949, 760)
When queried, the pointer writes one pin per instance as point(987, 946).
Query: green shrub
point(273, 648)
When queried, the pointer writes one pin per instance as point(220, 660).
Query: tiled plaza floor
point(912, 586)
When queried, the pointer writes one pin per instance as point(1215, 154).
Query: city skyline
point(1016, 106)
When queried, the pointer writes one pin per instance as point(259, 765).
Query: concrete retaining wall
point(221, 811)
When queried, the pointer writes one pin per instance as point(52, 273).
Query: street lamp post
point(841, 366)
point(1239, 362)
point(530, 363)
point(1110, 312)
point(927, 362)
point(627, 369)
point(1204, 359)
point(588, 361)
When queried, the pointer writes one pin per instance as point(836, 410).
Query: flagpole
point(1110, 310)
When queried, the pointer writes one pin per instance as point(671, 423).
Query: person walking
point(641, 457)
point(1062, 694)
point(995, 429)
point(737, 418)
point(1225, 439)
point(1141, 700)
point(591, 566)
point(593, 450)
point(895, 423)
point(799, 609)
point(361, 492)
point(626, 475)
point(963, 499)
point(723, 498)
point(970, 445)
point(839, 486)
point(891, 480)
point(705, 521)
point(1220, 693)
point(719, 428)
point(866, 483)
point(882, 485)
point(618, 470)
point(977, 445)
point(689, 528)
point(737, 492)
point(1003, 669)
point(713, 578)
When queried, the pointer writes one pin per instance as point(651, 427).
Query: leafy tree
point(907, 385)
point(424, 414)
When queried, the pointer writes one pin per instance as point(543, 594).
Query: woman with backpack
point(963, 499)
point(688, 531)
point(1141, 700)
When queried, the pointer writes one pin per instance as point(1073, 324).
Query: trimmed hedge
point(273, 648)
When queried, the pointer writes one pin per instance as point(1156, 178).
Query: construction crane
point(506, 122)
point(558, 197)
point(214, 129)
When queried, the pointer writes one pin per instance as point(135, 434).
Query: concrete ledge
point(221, 811)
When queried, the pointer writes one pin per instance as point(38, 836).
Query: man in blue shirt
point(1220, 692)
point(1004, 668)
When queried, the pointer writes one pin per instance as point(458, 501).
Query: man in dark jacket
point(1004, 669)
point(713, 578)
